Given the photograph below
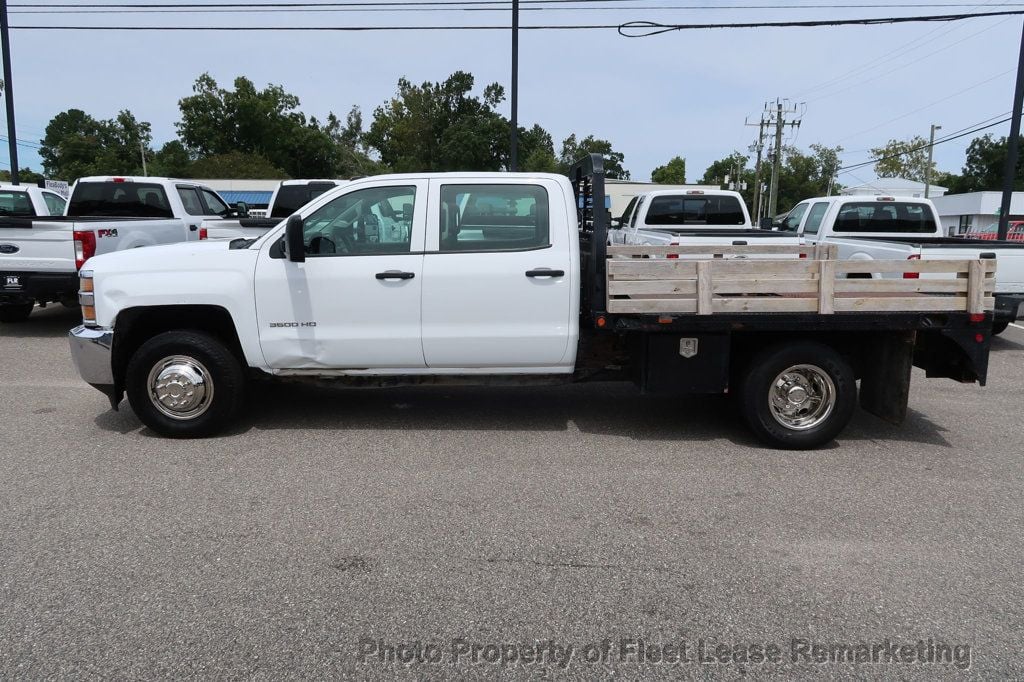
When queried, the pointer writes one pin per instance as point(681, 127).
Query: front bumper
point(91, 353)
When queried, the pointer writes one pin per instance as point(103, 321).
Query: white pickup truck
point(691, 217)
point(496, 278)
point(288, 197)
point(28, 201)
point(898, 228)
point(40, 256)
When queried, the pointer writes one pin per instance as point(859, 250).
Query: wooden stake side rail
point(738, 285)
point(818, 252)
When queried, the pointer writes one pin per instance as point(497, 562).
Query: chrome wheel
point(180, 387)
point(802, 397)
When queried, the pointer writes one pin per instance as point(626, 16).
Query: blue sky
point(683, 93)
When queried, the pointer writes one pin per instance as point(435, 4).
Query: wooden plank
point(704, 290)
point(652, 305)
point(975, 292)
point(886, 266)
point(764, 286)
point(765, 305)
point(872, 286)
point(901, 303)
point(826, 286)
point(698, 249)
point(652, 269)
point(781, 269)
point(653, 286)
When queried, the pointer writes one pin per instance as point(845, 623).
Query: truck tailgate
point(1009, 263)
point(37, 246)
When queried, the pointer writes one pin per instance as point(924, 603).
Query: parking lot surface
point(334, 531)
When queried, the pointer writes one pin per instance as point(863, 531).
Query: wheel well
point(135, 326)
point(850, 345)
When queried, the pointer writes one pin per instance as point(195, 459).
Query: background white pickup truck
point(27, 201)
point(691, 217)
point(897, 228)
point(288, 197)
point(40, 257)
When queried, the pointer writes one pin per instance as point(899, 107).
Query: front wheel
point(798, 396)
point(185, 384)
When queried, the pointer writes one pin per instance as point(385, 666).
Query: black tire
point(999, 326)
point(18, 312)
point(820, 361)
point(201, 354)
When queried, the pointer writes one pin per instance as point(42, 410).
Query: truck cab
point(28, 201)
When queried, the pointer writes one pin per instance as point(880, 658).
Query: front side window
point(55, 203)
point(695, 210)
point(367, 222)
point(113, 199)
point(624, 220)
point(15, 204)
point(636, 212)
point(814, 217)
point(885, 216)
point(793, 218)
point(214, 204)
point(190, 200)
point(493, 218)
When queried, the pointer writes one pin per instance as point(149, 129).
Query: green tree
point(574, 149)
point(75, 144)
point(441, 127)
point(719, 170)
point(26, 176)
point(172, 161)
point(236, 165)
point(903, 159)
point(805, 175)
point(986, 164)
point(672, 173)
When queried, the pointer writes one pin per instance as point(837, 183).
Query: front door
point(355, 302)
point(498, 287)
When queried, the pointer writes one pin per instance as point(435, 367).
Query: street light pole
point(513, 161)
point(1010, 170)
point(928, 168)
point(12, 139)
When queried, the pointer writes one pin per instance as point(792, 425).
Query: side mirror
point(616, 223)
point(243, 209)
point(293, 242)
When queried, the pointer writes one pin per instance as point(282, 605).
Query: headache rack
point(587, 178)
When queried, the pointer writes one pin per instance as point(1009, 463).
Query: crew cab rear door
point(499, 291)
point(355, 302)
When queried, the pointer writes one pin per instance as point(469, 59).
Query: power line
point(987, 120)
point(648, 28)
point(948, 138)
point(426, 6)
point(482, 2)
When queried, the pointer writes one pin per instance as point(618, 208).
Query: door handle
point(395, 274)
point(545, 272)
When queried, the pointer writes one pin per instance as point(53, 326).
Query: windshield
point(695, 210)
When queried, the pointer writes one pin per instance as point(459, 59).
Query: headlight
point(87, 297)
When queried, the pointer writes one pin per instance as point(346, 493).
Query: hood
point(162, 258)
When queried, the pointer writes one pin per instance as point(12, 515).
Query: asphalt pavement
point(582, 531)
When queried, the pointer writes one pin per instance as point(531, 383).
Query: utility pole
point(513, 161)
point(928, 168)
point(1013, 147)
point(779, 119)
point(142, 150)
point(12, 139)
point(758, 148)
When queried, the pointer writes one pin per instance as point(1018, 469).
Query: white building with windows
point(894, 187)
point(959, 212)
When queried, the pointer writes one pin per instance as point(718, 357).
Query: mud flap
point(885, 377)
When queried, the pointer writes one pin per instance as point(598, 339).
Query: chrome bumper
point(90, 350)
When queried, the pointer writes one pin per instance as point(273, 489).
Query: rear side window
point(695, 210)
point(814, 217)
point(290, 198)
point(190, 200)
point(16, 204)
point(493, 218)
point(54, 203)
point(128, 199)
point(885, 216)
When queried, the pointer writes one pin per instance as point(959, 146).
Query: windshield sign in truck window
point(493, 217)
point(695, 210)
point(128, 199)
point(877, 216)
point(16, 204)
